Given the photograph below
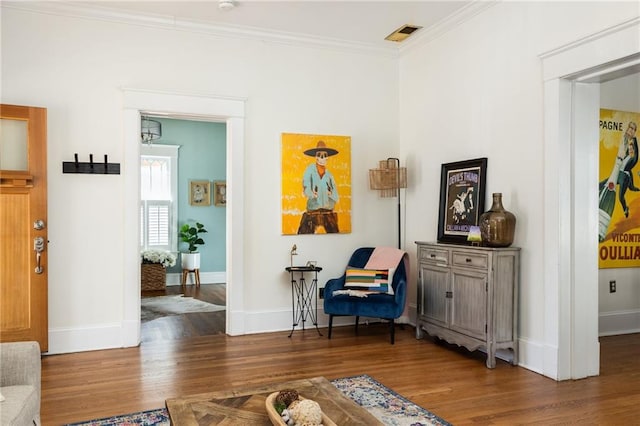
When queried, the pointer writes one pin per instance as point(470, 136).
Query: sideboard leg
point(491, 356)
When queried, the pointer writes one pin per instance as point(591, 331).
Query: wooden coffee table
point(246, 405)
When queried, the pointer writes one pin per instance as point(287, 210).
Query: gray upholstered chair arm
point(20, 364)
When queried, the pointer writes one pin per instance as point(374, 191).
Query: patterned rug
point(390, 408)
point(387, 406)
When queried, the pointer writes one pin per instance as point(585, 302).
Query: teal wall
point(202, 156)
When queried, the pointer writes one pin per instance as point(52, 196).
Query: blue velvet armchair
point(384, 306)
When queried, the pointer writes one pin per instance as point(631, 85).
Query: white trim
point(109, 335)
point(571, 348)
point(68, 340)
point(585, 353)
point(157, 149)
point(105, 13)
point(174, 279)
point(609, 45)
point(171, 151)
point(207, 107)
point(102, 13)
point(446, 25)
point(619, 322)
point(189, 104)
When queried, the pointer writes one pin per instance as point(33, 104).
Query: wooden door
point(23, 225)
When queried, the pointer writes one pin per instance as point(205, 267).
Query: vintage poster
point(462, 188)
point(619, 190)
point(316, 184)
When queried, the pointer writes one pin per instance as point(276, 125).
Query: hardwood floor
point(447, 380)
point(187, 325)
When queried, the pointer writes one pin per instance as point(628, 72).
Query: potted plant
point(191, 235)
point(152, 272)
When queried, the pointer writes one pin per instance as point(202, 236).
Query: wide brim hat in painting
point(321, 146)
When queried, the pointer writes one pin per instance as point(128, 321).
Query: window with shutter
point(158, 209)
point(159, 223)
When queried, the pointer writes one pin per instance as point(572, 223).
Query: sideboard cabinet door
point(469, 303)
point(435, 304)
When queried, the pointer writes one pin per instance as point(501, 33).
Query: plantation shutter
point(159, 218)
point(158, 193)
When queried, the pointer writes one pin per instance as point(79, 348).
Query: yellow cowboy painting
point(316, 184)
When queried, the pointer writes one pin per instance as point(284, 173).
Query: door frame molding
point(571, 76)
point(212, 108)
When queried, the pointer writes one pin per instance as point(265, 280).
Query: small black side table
point(304, 297)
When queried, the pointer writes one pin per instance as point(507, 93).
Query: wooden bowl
point(276, 419)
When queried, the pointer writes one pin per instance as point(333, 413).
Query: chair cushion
point(378, 280)
point(21, 405)
point(377, 305)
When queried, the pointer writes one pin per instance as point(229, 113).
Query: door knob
point(38, 247)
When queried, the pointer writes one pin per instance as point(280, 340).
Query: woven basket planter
point(153, 277)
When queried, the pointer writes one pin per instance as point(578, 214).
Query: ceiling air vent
point(402, 33)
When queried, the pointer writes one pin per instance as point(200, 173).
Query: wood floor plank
point(449, 381)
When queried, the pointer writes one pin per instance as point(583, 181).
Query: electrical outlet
point(321, 292)
point(612, 286)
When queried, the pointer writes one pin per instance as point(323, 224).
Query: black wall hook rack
point(102, 168)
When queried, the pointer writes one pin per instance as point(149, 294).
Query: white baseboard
point(618, 322)
point(67, 340)
point(109, 336)
point(205, 278)
point(531, 354)
point(127, 334)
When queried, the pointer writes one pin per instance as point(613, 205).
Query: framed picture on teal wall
point(200, 193)
point(220, 193)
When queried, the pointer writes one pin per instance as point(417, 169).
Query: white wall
point(478, 92)
point(77, 68)
point(620, 311)
point(472, 92)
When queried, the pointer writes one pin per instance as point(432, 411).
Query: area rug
point(389, 407)
point(162, 306)
point(386, 405)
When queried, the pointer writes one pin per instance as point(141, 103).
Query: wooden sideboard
point(469, 296)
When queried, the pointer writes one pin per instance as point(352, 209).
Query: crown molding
point(101, 13)
point(448, 24)
point(617, 47)
point(590, 38)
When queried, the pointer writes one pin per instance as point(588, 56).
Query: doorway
point(175, 153)
point(571, 74)
point(227, 110)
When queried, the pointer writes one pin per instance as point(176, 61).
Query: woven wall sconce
point(388, 178)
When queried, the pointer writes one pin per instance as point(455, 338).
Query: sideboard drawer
point(474, 260)
point(431, 254)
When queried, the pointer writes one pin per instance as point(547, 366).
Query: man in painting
point(625, 178)
point(321, 191)
point(625, 161)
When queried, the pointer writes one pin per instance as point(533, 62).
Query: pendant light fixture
point(150, 130)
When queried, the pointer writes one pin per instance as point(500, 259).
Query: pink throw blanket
point(390, 257)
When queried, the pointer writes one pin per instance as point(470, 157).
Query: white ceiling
point(364, 22)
